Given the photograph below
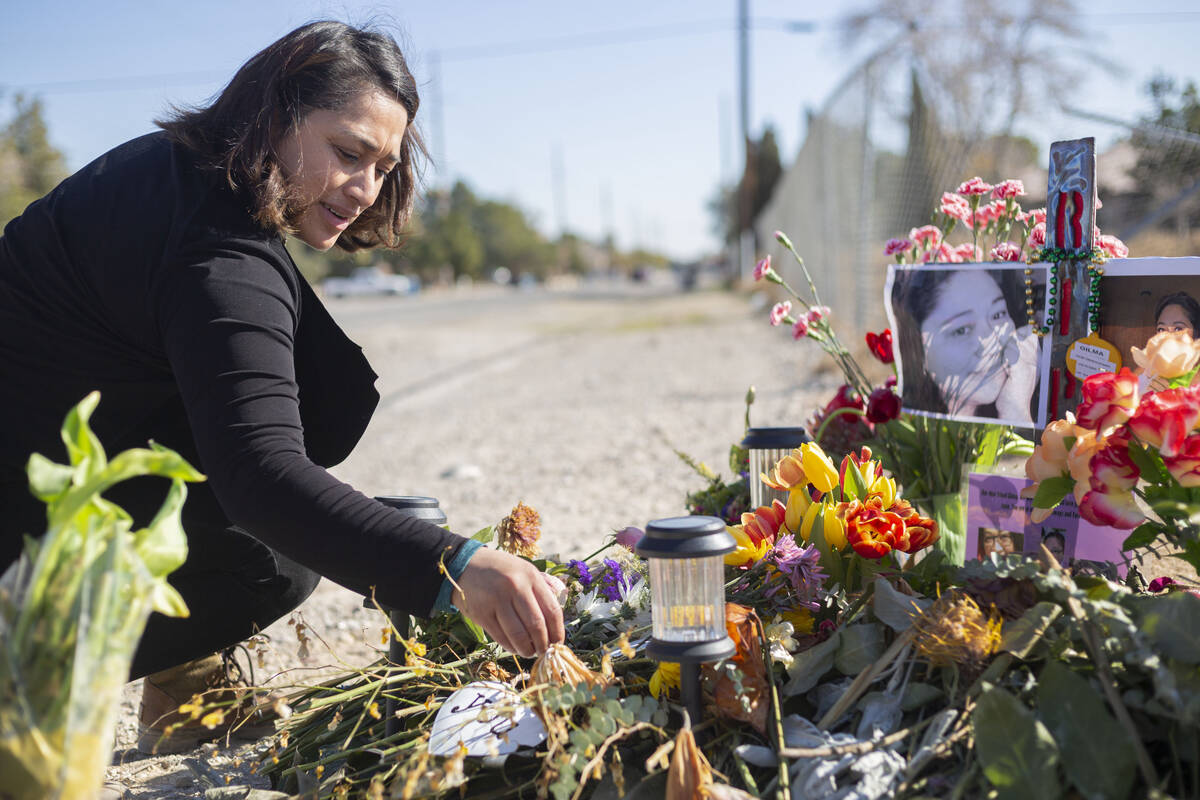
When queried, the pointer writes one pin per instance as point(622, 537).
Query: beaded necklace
point(1055, 257)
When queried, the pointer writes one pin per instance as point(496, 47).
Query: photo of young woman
point(966, 349)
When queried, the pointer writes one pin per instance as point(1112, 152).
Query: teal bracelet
point(455, 568)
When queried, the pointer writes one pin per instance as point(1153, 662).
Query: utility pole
point(745, 248)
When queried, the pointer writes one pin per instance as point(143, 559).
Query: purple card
point(998, 521)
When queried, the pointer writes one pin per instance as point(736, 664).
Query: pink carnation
point(780, 311)
point(816, 313)
point(926, 235)
point(1008, 189)
point(941, 254)
point(800, 329)
point(1006, 251)
point(974, 186)
point(988, 214)
point(955, 206)
point(894, 246)
point(1113, 247)
point(1037, 236)
point(762, 268)
point(1038, 215)
point(967, 252)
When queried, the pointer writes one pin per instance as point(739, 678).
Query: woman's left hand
point(1021, 364)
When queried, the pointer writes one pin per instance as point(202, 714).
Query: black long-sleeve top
point(147, 278)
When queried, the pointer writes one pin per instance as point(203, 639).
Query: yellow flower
point(787, 473)
point(212, 719)
point(798, 504)
point(664, 678)
point(833, 524)
point(1168, 354)
point(747, 550)
point(801, 619)
point(884, 488)
point(818, 467)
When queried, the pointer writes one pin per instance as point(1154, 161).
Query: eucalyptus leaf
point(809, 666)
point(1021, 635)
point(895, 609)
point(485, 535)
point(861, 646)
point(1097, 752)
point(1172, 622)
point(1017, 753)
point(918, 694)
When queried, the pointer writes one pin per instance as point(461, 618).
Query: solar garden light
point(687, 597)
point(767, 446)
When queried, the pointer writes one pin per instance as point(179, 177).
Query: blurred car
point(365, 281)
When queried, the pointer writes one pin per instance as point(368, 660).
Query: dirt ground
point(571, 400)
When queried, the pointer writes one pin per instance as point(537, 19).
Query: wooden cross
point(1071, 226)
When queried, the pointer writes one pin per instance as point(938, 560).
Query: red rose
point(880, 345)
point(883, 405)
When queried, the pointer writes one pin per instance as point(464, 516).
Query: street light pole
point(746, 186)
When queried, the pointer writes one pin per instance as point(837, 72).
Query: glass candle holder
point(766, 446)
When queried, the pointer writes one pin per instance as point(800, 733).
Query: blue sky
point(635, 101)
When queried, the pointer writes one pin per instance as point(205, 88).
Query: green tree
point(29, 165)
point(1166, 167)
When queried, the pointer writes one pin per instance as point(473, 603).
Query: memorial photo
point(967, 348)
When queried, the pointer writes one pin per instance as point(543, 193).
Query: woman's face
point(1174, 318)
point(338, 160)
point(965, 336)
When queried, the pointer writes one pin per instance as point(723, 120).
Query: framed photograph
point(1140, 296)
point(998, 521)
point(965, 347)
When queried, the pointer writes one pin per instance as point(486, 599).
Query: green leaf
point(810, 665)
point(1021, 635)
point(475, 629)
point(894, 609)
point(47, 480)
point(1149, 463)
point(989, 446)
point(1051, 491)
point(1172, 622)
point(1016, 751)
point(855, 485)
point(861, 646)
point(485, 535)
point(1142, 536)
point(1097, 752)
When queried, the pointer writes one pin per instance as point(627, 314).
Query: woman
point(960, 352)
point(1177, 312)
point(157, 274)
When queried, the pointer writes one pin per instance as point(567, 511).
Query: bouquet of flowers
point(1131, 456)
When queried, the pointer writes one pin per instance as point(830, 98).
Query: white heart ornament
point(487, 718)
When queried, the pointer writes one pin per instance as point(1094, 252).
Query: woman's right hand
point(511, 600)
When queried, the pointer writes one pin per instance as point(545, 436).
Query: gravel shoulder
point(571, 402)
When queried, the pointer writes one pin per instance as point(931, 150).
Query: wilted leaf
point(861, 646)
point(895, 609)
point(1021, 635)
point(810, 665)
point(690, 773)
point(749, 703)
point(1017, 753)
point(1097, 753)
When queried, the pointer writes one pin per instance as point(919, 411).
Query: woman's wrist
point(454, 570)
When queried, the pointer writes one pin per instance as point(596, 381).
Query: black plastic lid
point(775, 438)
point(425, 508)
point(685, 537)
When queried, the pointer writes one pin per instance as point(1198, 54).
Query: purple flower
point(581, 569)
point(629, 537)
point(613, 580)
point(1158, 584)
point(801, 567)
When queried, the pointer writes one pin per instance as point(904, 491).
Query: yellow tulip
point(885, 489)
point(798, 504)
point(835, 528)
point(818, 467)
point(747, 551)
point(810, 516)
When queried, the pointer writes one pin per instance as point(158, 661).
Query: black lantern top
point(775, 438)
point(685, 537)
point(426, 508)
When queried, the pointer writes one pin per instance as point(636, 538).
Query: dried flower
point(559, 665)
point(690, 775)
point(518, 533)
point(955, 632)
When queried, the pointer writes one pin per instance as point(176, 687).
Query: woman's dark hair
point(319, 66)
point(914, 294)
point(1185, 301)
